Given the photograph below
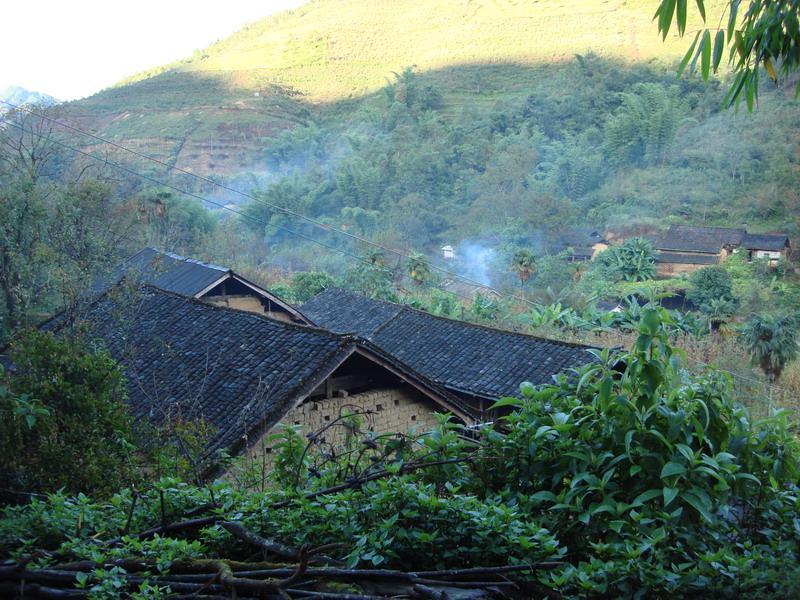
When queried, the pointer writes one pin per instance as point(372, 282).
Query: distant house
point(772, 246)
point(583, 244)
point(448, 253)
point(243, 373)
point(210, 283)
point(478, 364)
point(686, 248)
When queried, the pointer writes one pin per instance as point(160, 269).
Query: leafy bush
point(307, 285)
point(634, 260)
point(64, 423)
point(654, 480)
point(709, 284)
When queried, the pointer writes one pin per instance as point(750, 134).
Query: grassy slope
point(203, 112)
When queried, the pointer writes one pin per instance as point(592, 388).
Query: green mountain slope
point(213, 111)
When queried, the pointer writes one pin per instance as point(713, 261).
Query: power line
point(184, 192)
point(212, 202)
point(272, 206)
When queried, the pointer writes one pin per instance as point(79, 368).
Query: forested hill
point(432, 121)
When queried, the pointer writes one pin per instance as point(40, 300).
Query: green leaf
point(681, 16)
point(669, 495)
point(667, 9)
point(734, 9)
point(700, 504)
point(686, 451)
point(515, 402)
point(672, 468)
point(719, 46)
point(645, 497)
point(705, 56)
point(687, 57)
point(544, 495)
point(702, 8)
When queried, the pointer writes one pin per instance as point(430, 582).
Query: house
point(770, 246)
point(448, 253)
point(212, 284)
point(244, 373)
point(686, 248)
point(583, 244)
point(476, 363)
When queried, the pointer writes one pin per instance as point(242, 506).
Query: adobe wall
point(393, 410)
point(247, 303)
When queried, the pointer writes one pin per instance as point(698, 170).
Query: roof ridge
point(287, 324)
point(402, 307)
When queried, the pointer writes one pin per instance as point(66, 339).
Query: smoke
point(475, 261)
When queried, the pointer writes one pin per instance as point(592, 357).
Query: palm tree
point(419, 268)
point(771, 342)
point(523, 263)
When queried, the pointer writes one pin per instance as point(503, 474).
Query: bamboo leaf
point(687, 57)
point(705, 57)
point(680, 16)
point(665, 18)
point(734, 9)
point(719, 46)
point(702, 8)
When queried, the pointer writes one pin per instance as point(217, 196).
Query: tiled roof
point(239, 371)
point(686, 238)
point(765, 241)
point(167, 271)
point(464, 357)
point(687, 258)
point(184, 276)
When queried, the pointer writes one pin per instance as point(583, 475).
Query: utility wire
point(212, 202)
point(181, 191)
point(272, 206)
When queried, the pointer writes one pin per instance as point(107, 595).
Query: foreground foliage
point(629, 478)
point(63, 422)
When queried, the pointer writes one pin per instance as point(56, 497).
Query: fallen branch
point(238, 531)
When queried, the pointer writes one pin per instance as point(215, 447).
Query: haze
point(74, 49)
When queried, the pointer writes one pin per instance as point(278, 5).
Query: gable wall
point(248, 303)
point(394, 410)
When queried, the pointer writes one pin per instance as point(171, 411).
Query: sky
point(73, 48)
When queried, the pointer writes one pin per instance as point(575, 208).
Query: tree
point(766, 33)
point(709, 284)
point(644, 126)
point(419, 268)
point(64, 422)
point(771, 341)
point(307, 285)
point(523, 263)
point(711, 291)
point(634, 260)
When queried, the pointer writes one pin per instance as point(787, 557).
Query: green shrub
point(64, 422)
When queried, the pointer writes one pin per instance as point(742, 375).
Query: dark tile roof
point(184, 276)
point(774, 242)
point(687, 258)
point(464, 357)
point(239, 371)
point(167, 271)
point(686, 238)
point(581, 236)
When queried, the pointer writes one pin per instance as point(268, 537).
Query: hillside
point(426, 123)
point(211, 112)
